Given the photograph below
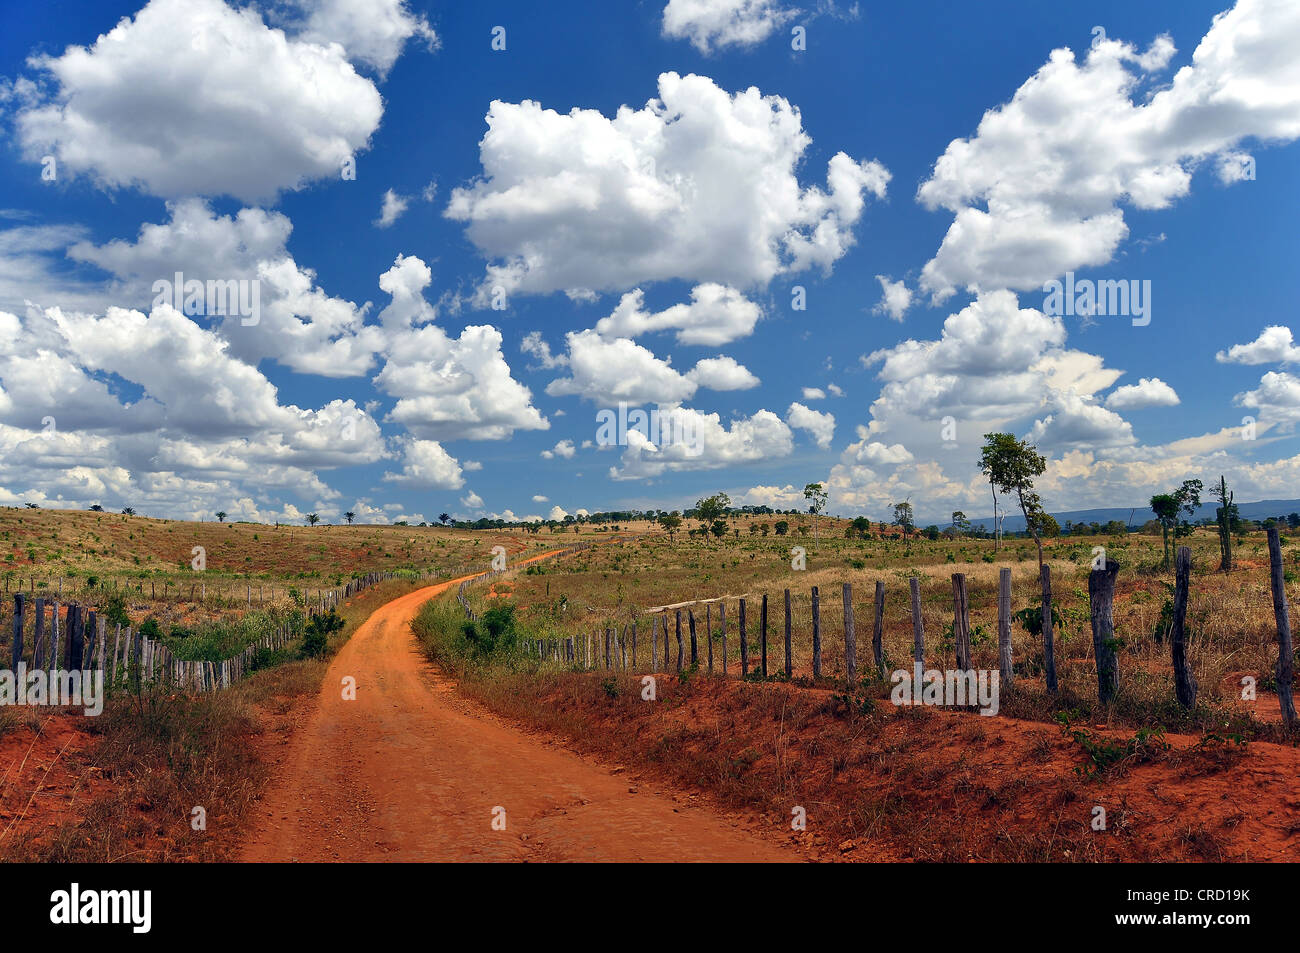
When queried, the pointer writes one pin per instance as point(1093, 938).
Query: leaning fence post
point(878, 630)
point(817, 633)
point(850, 638)
point(918, 624)
point(960, 621)
point(1184, 681)
point(1282, 616)
point(1007, 671)
point(1101, 595)
point(1049, 648)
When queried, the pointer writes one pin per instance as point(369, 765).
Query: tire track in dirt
point(411, 771)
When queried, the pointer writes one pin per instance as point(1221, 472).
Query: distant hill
point(1014, 522)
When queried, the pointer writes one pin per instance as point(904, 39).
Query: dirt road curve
point(411, 771)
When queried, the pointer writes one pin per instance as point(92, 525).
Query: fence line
point(606, 648)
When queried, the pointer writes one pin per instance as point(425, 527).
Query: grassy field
point(887, 782)
point(1230, 616)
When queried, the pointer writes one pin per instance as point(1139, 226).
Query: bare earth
point(412, 771)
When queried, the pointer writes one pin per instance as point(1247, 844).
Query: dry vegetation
point(1211, 784)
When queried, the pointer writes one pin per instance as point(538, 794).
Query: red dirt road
point(411, 771)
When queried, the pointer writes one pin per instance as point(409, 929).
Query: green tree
point(1011, 466)
point(221, 516)
point(670, 522)
point(312, 519)
point(959, 522)
point(1225, 517)
point(711, 509)
point(1167, 506)
point(349, 516)
point(903, 517)
point(817, 498)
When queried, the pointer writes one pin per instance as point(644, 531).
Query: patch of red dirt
point(45, 776)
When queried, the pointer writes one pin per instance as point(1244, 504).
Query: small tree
point(312, 519)
point(221, 516)
point(96, 508)
point(959, 522)
point(903, 517)
point(1167, 506)
point(350, 516)
point(1011, 466)
point(1225, 517)
point(444, 518)
point(711, 509)
point(817, 498)
point(671, 522)
point(126, 510)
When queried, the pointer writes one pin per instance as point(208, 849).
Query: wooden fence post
point(17, 646)
point(918, 624)
point(789, 663)
point(38, 636)
point(668, 653)
point(850, 638)
point(678, 633)
point(1184, 681)
point(654, 647)
point(1006, 669)
point(690, 617)
point(55, 637)
point(1282, 616)
point(817, 633)
point(960, 621)
point(75, 637)
point(744, 643)
point(634, 661)
point(763, 635)
point(722, 624)
point(1049, 647)
point(878, 630)
point(708, 630)
point(1101, 596)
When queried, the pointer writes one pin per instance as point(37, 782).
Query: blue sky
point(206, 137)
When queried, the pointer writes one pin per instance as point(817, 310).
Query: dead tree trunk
point(1184, 682)
point(1101, 597)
